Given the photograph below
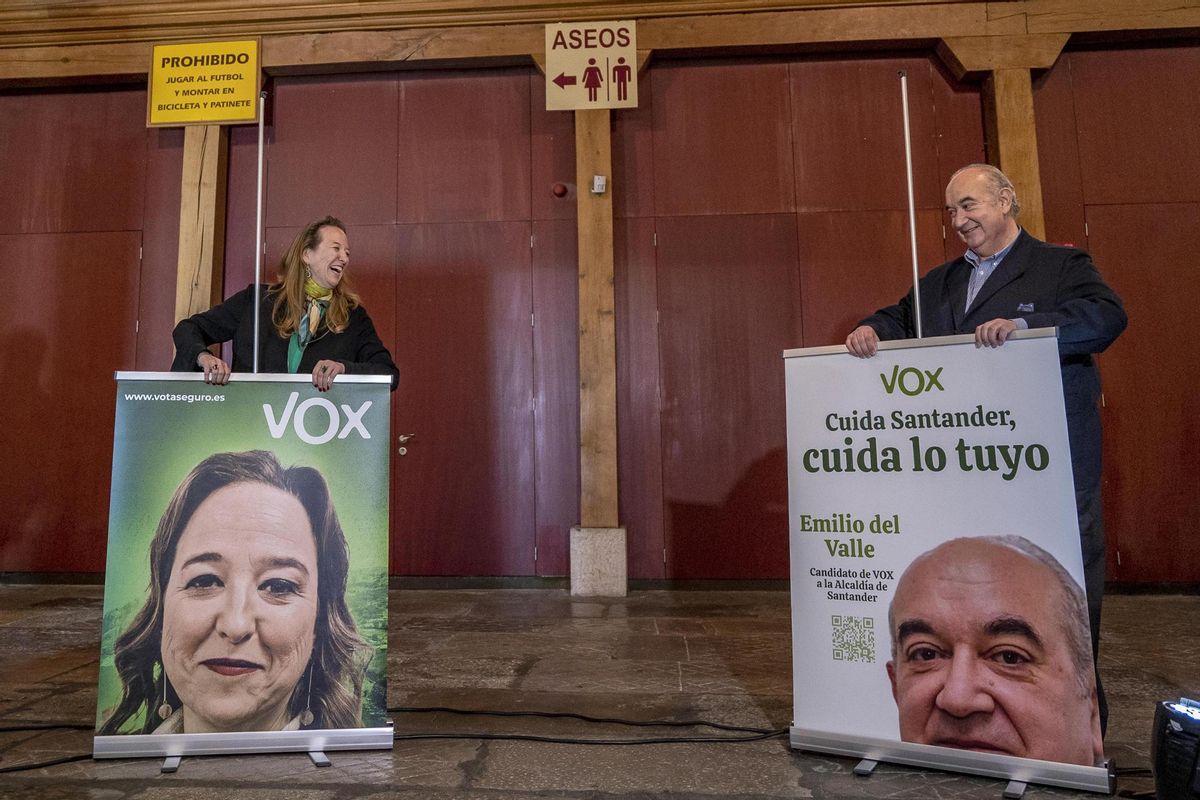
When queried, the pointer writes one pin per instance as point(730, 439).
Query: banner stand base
point(173, 746)
point(170, 764)
point(1018, 771)
point(1015, 790)
point(865, 767)
point(319, 759)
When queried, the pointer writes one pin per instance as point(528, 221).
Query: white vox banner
point(937, 603)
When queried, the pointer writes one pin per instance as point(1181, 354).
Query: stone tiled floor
point(720, 656)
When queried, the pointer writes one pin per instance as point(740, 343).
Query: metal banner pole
point(912, 208)
point(259, 245)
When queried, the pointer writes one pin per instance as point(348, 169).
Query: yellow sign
point(591, 65)
point(204, 83)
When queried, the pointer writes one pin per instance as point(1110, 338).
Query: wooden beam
point(1073, 16)
point(1012, 140)
point(597, 324)
point(201, 219)
point(281, 53)
point(970, 56)
point(49, 22)
point(20, 65)
point(111, 38)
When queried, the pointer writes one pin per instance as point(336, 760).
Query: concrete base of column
point(599, 564)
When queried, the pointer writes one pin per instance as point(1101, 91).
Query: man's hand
point(863, 341)
point(216, 371)
point(994, 332)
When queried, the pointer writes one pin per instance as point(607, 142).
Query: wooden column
point(1012, 140)
point(1004, 64)
point(599, 554)
point(201, 219)
point(597, 324)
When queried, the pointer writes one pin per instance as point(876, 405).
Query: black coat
point(358, 347)
point(1047, 286)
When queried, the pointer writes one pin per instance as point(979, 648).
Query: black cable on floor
point(48, 726)
point(520, 737)
point(659, 723)
point(756, 734)
point(43, 764)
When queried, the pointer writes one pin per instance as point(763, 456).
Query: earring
point(306, 718)
point(165, 709)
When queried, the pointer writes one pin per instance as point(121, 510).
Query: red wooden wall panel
point(485, 478)
point(160, 249)
point(722, 140)
point(83, 174)
point(332, 150)
point(66, 324)
point(1136, 111)
point(848, 126)
point(853, 262)
point(555, 391)
point(1058, 155)
point(821, 140)
point(958, 127)
point(241, 187)
point(72, 161)
point(552, 155)
point(1120, 166)
point(1152, 410)
point(463, 495)
point(639, 427)
point(464, 150)
point(728, 298)
point(633, 153)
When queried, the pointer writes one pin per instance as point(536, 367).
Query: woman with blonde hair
point(311, 320)
point(246, 624)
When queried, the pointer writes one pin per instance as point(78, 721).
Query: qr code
point(853, 638)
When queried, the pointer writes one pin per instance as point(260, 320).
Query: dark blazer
point(358, 347)
point(1047, 286)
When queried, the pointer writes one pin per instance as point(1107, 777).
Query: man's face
point(982, 661)
point(980, 214)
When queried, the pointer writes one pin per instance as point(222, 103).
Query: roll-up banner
point(245, 596)
point(938, 611)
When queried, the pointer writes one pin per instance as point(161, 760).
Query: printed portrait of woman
point(246, 627)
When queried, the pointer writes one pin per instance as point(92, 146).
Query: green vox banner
point(245, 597)
point(938, 608)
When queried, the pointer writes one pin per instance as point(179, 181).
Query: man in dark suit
point(1008, 281)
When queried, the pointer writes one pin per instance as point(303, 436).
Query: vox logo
point(912, 381)
point(320, 426)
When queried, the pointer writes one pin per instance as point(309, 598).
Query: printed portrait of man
point(991, 652)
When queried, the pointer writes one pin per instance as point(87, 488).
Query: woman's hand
point(324, 373)
point(216, 371)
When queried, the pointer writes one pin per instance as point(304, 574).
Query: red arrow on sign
point(563, 80)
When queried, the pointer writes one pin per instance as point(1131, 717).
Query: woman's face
point(239, 609)
point(330, 258)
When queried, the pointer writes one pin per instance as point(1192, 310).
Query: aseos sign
point(591, 65)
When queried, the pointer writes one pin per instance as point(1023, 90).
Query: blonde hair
point(290, 301)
